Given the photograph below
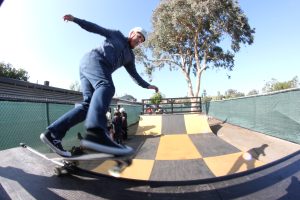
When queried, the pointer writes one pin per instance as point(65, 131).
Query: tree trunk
point(189, 83)
point(198, 82)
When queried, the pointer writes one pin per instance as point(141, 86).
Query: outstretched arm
point(89, 26)
point(138, 79)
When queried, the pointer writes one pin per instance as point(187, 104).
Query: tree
point(128, 97)
point(253, 92)
point(8, 71)
point(75, 86)
point(219, 96)
point(187, 35)
point(233, 94)
point(156, 98)
point(275, 85)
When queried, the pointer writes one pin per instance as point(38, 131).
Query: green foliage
point(270, 86)
point(228, 95)
point(275, 85)
point(8, 71)
point(253, 92)
point(233, 94)
point(156, 98)
point(187, 35)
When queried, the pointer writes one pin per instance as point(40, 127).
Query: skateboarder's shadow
point(215, 128)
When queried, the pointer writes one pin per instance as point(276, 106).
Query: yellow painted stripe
point(176, 147)
point(139, 169)
point(196, 123)
point(231, 163)
point(104, 167)
point(149, 125)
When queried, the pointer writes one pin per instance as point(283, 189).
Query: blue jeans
point(97, 90)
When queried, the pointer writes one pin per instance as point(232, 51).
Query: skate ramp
point(179, 147)
point(171, 162)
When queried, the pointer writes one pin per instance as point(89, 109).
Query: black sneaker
point(101, 142)
point(49, 139)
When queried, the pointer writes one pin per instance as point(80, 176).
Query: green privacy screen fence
point(25, 121)
point(276, 114)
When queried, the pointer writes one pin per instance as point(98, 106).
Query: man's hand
point(68, 18)
point(153, 87)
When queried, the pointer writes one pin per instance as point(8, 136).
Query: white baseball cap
point(139, 30)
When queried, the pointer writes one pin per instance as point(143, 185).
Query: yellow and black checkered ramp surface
point(178, 148)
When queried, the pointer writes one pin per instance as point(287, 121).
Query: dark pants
point(97, 89)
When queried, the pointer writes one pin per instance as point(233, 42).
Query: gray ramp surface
point(173, 124)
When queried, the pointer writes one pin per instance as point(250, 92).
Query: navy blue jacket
point(115, 50)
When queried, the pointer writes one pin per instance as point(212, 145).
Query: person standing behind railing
point(124, 123)
point(117, 123)
point(109, 123)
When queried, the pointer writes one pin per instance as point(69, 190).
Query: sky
point(34, 37)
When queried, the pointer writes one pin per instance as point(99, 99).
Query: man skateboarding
point(96, 70)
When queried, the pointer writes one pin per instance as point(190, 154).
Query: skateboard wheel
point(128, 162)
point(115, 171)
point(23, 145)
point(57, 171)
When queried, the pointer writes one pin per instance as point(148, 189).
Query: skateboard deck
point(66, 165)
point(120, 162)
point(88, 156)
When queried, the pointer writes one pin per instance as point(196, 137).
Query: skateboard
point(66, 165)
point(121, 162)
